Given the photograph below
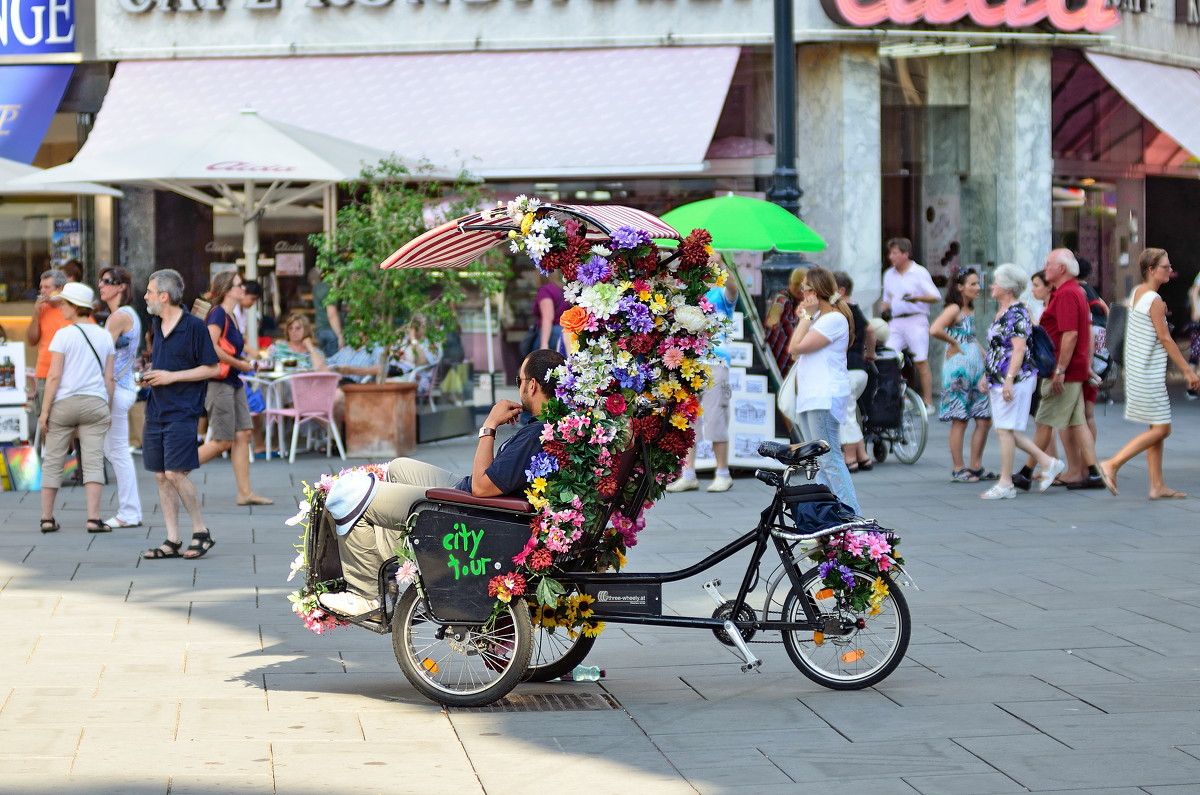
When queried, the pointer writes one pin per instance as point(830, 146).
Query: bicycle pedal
point(754, 666)
point(710, 588)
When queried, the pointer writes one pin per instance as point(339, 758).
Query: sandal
point(964, 475)
point(50, 525)
point(158, 553)
point(255, 499)
point(852, 466)
point(201, 543)
point(865, 465)
point(984, 474)
point(97, 526)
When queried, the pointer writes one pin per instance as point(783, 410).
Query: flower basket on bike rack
point(458, 553)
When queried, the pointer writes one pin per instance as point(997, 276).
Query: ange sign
point(1093, 16)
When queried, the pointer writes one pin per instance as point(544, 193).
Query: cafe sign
point(1092, 16)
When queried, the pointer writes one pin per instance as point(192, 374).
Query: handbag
point(227, 346)
point(1041, 352)
point(786, 400)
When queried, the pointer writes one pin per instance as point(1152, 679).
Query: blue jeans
point(820, 424)
point(328, 342)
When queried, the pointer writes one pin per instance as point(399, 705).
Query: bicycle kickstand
point(752, 662)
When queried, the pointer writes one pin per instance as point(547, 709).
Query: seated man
point(367, 513)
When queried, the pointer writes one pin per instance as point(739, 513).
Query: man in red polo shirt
point(1068, 322)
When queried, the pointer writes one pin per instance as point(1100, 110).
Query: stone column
point(160, 229)
point(838, 119)
point(1011, 156)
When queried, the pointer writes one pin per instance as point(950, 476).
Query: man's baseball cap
point(349, 497)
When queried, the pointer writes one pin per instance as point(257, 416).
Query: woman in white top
point(79, 391)
point(818, 345)
point(125, 327)
point(1148, 345)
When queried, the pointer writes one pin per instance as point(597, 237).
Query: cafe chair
point(312, 401)
point(426, 377)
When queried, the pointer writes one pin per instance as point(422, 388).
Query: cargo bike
point(467, 626)
point(458, 646)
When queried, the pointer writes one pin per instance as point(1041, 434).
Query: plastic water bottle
point(584, 673)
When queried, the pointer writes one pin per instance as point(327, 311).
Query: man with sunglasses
point(368, 513)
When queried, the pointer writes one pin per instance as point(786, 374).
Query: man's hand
point(503, 413)
point(1056, 384)
point(158, 378)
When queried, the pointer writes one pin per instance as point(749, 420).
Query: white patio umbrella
point(232, 157)
point(12, 169)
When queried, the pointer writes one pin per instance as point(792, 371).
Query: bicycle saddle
point(467, 498)
point(793, 454)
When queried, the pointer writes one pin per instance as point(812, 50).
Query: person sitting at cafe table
point(368, 513)
point(298, 346)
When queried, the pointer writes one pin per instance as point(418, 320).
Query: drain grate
point(548, 702)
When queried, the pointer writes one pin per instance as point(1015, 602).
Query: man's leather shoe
point(1021, 481)
point(1090, 482)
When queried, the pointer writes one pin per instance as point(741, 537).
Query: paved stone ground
point(1056, 648)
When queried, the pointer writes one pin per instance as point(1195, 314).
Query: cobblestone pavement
point(1056, 648)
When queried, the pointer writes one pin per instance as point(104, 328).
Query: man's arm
point(335, 323)
point(33, 332)
point(503, 413)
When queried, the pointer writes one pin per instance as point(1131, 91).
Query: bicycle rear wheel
point(865, 656)
point(469, 666)
point(555, 654)
point(914, 428)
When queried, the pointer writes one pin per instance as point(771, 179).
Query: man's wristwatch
point(486, 431)
point(1059, 371)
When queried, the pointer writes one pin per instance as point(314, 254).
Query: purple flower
point(629, 380)
point(540, 466)
point(594, 270)
point(825, 568)
point(628, 237)
point(847, 576)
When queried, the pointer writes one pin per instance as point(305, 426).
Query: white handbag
point(786, 400)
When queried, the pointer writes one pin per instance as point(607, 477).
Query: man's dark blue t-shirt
point(507, 470)
point(187, 346)
point(219, 318)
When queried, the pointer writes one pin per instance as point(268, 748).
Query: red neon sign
point(1093, 16)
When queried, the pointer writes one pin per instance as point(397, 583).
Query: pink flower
point(673, 357)
point(325, 483)
point(406, 573)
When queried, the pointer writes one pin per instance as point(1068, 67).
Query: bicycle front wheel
point(865, 656)
point(468, 666)
point(914, 428)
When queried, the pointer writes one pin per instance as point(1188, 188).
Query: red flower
point(540, 559)
point(615, 404)
point(647, 427)
point(608, 486)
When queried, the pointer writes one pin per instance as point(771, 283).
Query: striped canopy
point(458, 243)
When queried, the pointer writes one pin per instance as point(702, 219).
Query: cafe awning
point(1167, 96)
point(545, 114)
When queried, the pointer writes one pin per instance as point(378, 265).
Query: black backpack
point(1041, 352)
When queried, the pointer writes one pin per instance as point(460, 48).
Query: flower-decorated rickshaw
point(485, 592)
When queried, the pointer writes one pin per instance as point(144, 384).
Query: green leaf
point(548, 591)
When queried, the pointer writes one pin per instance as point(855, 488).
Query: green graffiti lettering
point(453, 564)
point(463, 539)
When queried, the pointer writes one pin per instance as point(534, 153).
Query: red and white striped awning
point(458, 243)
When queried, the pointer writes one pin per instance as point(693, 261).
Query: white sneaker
point(720, 483)
point(348, 604)
point(1046, 479)
point(999, 492)
point(683, 484)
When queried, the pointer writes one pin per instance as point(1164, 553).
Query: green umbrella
point(739, 223)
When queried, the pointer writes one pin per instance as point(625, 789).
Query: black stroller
point(893, 415)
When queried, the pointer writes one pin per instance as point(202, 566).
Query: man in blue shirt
point(367, 514)
point(182, 361)
point(715, 403)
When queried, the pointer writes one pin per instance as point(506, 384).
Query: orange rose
point(574, 319)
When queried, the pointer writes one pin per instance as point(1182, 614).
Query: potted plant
point(387, 208)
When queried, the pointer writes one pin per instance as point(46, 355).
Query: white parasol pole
point(250, 248)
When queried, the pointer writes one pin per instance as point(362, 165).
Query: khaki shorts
point(1061, 411)
point(228, 411)
point(715, 402)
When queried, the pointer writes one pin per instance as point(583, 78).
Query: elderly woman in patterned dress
point(964, 390)
point(1148, 345)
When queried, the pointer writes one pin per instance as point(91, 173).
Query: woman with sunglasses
point(116, 293)
point(824, 330)
point(226, 404)
point(1148, 345)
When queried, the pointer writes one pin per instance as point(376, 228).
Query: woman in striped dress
point(1148, 345)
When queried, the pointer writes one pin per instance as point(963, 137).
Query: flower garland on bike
point(639, 326)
